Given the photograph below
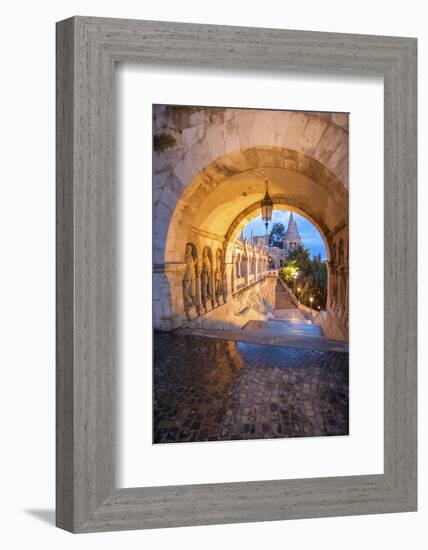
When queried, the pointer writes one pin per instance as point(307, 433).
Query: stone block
point(292, 133)
point(341, 154)
point(246, 128)
point(231, 135)
point(185, 170)
point(331, 140)
point(215, 139)
point(341, 119)
point(192, 135)
point(313, 131)
point(201, 155)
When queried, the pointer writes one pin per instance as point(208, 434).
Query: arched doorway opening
point(220, 199)
point(223, 291)
point(296, 249)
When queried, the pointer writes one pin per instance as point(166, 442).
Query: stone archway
point(280, 202)
point(206, 194)
point(213, 214)
point(218, 194)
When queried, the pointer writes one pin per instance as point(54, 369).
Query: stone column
point(247, 271)
point(198, 289)
point(230, 269)
point(224, 279)
point(168, 300)
point(330, 286)
point(228, 280)
point(340, 303)
point(346, 295)
point(212, 285)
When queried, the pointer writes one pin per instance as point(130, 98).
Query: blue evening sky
point(310, 236)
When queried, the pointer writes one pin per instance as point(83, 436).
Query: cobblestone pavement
point(210, 390)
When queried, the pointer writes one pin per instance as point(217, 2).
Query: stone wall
point(338, 291)
point(210, 168)
point(206, 286)
point(332, 327)
point(255, 302)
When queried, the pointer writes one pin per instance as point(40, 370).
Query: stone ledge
point(312, 343)
point(170, 266)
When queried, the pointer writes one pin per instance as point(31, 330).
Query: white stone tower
point(292, 238)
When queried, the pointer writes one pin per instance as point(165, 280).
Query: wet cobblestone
point(211, 390)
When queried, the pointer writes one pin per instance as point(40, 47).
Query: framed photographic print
point(236, 282)
point(250, 305)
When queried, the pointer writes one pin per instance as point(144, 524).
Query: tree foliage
point(276, 236)
point(311, 277)
point(289, 271)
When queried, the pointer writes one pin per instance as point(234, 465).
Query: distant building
point(261, 240)
point(292, 238)
point(277, 256)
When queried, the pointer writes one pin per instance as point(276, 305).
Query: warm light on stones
point(266, 207)
point(210, 175)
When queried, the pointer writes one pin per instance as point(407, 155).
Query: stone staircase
point(280, 328)
point(289, 327)
point(282, 298)
point(274, 333)
point(285, 308)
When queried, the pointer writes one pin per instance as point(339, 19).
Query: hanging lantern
point(267, 207)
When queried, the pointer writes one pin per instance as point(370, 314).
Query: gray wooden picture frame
point(87, 50)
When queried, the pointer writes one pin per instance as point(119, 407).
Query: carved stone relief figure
point(238, 266)
point(189, 280)
point(218, 276)
point(206, 276)
point(224, 277)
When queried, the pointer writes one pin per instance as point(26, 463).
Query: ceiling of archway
point(217, 197)
point(239, 192)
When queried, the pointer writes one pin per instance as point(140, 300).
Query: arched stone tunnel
point(210, 168)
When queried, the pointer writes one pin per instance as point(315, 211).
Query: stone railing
point(331, 327)
point(309, 312)
point(252, 301)
point(241, 283)
point(290, 293)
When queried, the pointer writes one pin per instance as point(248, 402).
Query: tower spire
point(292, 238)
point(292, 226)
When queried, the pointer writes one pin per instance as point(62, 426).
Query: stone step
point(292, 320)
point(282, 298)
point(285, 328)
point(268, 338)
point(292, 314)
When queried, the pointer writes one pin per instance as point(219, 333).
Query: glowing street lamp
point(311, 299)
point(267, 207)
point(295, 275)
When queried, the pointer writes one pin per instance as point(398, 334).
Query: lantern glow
point(266, 206)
